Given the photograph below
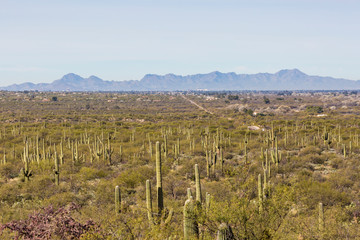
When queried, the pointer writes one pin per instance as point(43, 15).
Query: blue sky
point(41, 41)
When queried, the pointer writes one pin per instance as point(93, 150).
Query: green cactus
point(37, 150)
point(245, 152)
point(61, 153)
point(27, 173)
point(189, 193)
point(57, 170)
point(117, 200)
point(165, 147)
point(166, 215)
point(191, 230)
point(350, 147)
point(208, 163)
point(260, 194)
point(207, 202)
point(109, 151)
point(197, 184)
point(214, 161)
point(149, 202)
point(150, 149)
point(178, 145)
point(160, 199)
point(120, 153)
point(221, 160)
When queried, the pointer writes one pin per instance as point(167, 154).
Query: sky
point(42, 40)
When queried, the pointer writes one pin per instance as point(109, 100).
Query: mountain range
point(288, 79)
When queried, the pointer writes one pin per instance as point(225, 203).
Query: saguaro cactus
point(165, 147)
point(26, 171)
point(191, 230)
point(221, 160)
point(166, 215)
point(178, 145)
point(197, 183)
point(160, 199)
point(109, 150)
point(37, 150)
point(117, 200)
point(189, 193)
point(260, 193)
point(245, 152)
point(57, 170)
point(207, 202)
point(61, 153)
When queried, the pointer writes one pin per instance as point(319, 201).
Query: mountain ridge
point(286, 79)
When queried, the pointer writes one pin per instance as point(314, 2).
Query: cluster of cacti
point(273, 143)
point(326, 138)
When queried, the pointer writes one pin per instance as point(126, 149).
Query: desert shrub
point(309, 150)
point(314, 109)
point(10, 192)
point(314, 158)
point(131, 178)
point(319, 192)
point(61, 199)
point(91, 173)
point(233, 97)
point(9, 170)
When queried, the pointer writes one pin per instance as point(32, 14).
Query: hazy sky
point(40, 41)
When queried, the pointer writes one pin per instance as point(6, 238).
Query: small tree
point(266, 100)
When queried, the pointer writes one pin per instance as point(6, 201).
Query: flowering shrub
point(50, 223)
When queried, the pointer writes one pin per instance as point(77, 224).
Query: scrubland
point(275, 165)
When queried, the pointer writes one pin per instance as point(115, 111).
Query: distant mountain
point(282, 80)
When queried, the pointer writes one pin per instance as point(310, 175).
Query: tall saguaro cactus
point(61, 153)
point(260, 194)
point(160, 199)
point(109, 151)
point(57, 170)
point(197, 183)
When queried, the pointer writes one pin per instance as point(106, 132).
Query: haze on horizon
point(123, 40)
